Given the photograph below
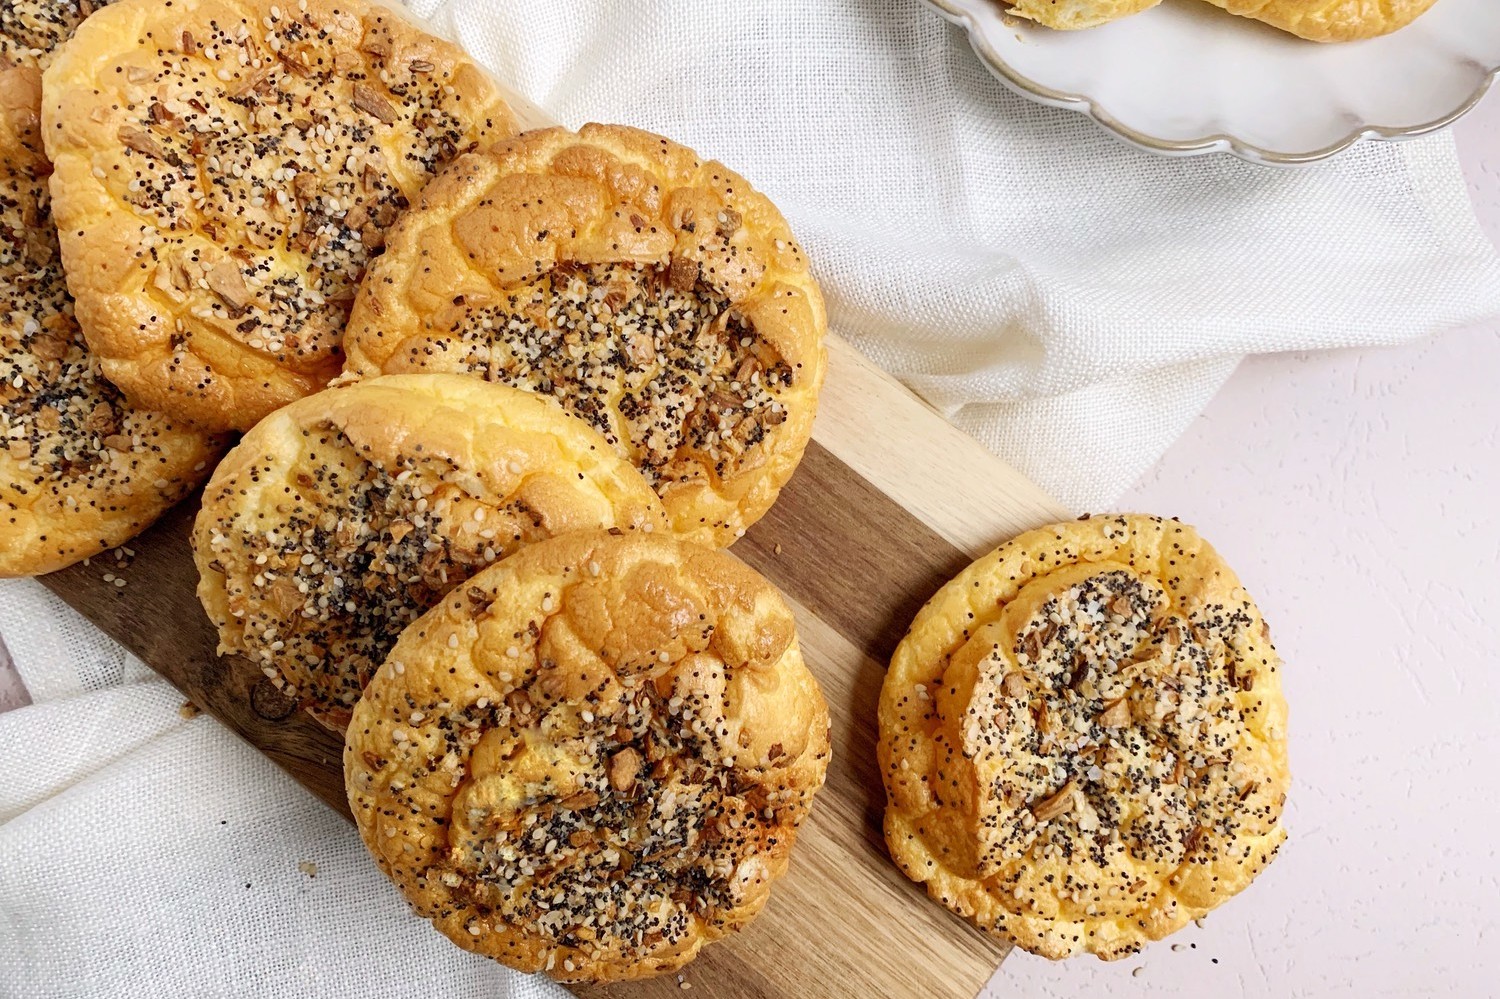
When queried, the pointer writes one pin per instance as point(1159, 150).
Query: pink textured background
point(1355, 492)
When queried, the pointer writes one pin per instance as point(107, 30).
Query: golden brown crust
point(1315, 20)
point(1069, 15)
point(219, 302)
point(593, 758)
point(687, 327)
point(1331, 20)
point(80, 469)
point(340, 518)
point(1083, 738)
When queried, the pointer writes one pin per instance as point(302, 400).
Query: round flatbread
point(80, 469)
point(1069, 15)
point(1330, 20)
point(656, 295)
point(1083, 738)
point(340, 518)
point(592, 759)
point(225, 170)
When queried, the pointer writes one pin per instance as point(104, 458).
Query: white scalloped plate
point(1186, 78)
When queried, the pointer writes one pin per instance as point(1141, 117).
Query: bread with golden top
point(340, 518)
point(81, 470)
point(1331, 20)
point(1069, 15)
point(1083, 738)
point(656, 295)
point(1315, 20)
point(592, 758)
point(225, 170)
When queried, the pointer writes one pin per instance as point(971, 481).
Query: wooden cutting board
point(889, 503)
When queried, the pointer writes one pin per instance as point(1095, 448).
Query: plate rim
point(954, 12)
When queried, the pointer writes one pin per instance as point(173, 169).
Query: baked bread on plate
point(1083, 738)
point(1331, 20)
point(1315, 20)
point(225, 170)
point(654, 294)
point(1067, 15)
point(340, 518)
point(592, 758)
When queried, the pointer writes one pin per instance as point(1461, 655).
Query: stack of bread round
point(653, 294)
point(341, 518)
point(578, 743)
point(503, 400)
point(577, 364)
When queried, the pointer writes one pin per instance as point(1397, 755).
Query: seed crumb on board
point(309, 868)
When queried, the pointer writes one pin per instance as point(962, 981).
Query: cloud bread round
point(1083, 738)
point(340, 518)
point(225, 169)
point(80, 469)
point(1067, 15)
point(591, 759)
point(656, 295)
point(1331, 20)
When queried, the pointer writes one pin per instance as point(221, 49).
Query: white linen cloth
point(1069, 300)
point(144, 854)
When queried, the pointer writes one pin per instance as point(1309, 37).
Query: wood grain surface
point(865, 532)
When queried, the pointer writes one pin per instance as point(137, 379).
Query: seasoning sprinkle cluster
point(592, 758)
point(662, 366)
point(1083, 738)
point(355, 551)
point(245, 136)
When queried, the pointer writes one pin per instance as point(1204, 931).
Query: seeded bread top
point(225, 170)
point(342, 517)
point(1083, 738)
point(593, 757)
point(656, 295)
